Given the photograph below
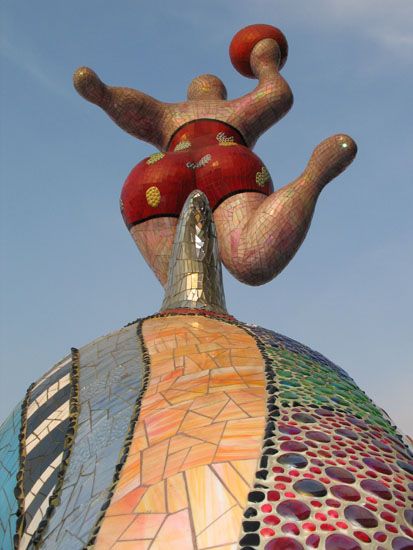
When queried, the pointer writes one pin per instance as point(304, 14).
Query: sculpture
point(205, 143)
point(190, 429)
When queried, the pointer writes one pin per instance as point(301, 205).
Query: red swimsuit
point(204, 154)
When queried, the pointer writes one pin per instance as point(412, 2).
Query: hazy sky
point(70, 272)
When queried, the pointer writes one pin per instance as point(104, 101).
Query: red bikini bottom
point(217, 164)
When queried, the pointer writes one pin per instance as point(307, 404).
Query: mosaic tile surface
point(244, 439)
point(110, 378)
point(194, 431)
point(338, 475)
point(195, 274)
point(206, 143)
point(47, 421)
point(9, 466)
point(197, 441)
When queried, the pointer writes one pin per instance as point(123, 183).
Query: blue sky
point(70, 271)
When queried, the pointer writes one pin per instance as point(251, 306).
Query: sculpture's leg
point(154, 239)
point(259, 235)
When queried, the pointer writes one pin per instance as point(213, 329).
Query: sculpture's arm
point(135, 112)
point(271, 99)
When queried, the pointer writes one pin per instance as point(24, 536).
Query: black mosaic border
point(128, 440)
point(255, 496)
point(19, 490)
point(54, 500)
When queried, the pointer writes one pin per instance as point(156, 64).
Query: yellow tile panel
point(175, 533)
point(204, 486)
point(226, 529)
point(176, 493)
point(144, 526)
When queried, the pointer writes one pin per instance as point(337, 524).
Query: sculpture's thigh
point(154, 238)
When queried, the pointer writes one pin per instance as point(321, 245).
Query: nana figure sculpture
point(206, 143)
point(189, 429)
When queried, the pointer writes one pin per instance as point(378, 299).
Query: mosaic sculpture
point(190, 429)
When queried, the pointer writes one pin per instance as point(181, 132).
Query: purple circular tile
point(293, 446)
point(407, 467)
point(377, 488)
point(347, 433)
point(310, 487)
point(401, 543)
point(293, 460)
point(303, 417)
point(341, 542)
point(378, 465)
point(290, 430)
point(344, 492)
point(318, 436)
point(293, 509)
point(283, 543)
point(408, 516)
point(361, 517)
point(340, 474)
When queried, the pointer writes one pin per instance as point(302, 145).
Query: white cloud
point(387, 23)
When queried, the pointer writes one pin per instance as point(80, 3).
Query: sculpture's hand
point(132, 110)
point(259, 51)
point(245, 41)
point(89, 86)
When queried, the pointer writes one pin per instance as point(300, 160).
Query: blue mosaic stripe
point(110, 379)
point(9, 466)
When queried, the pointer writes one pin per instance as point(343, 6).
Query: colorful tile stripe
point(338, 475)
point(49, 458)
point(110, 379)
point(45, 422)
point(195, 447)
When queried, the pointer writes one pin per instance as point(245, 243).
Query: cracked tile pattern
point(9, 466)
point(47, 422)
point(335, 472)
point(110, 378)
point(197, 441)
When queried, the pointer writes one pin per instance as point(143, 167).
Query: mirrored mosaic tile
point(110, 378)
point(195, 276)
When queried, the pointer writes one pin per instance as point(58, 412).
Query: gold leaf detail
point(153, 196)
point(225, 140)
point(182, 145)
point(262, 176)
point(155, 157)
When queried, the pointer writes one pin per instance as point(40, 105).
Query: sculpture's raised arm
point(260, 53)
point(135, 112)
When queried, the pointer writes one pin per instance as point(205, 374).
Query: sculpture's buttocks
point(207, 155)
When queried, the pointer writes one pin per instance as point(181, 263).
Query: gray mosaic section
point(111, 370)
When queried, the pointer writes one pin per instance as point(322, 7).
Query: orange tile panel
point(144, 526)
point(197, 441)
